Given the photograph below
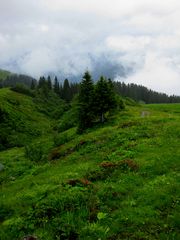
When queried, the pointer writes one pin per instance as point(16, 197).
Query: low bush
point(60, 139)
point(68, 120)
point(5, 212)
point(36, 152)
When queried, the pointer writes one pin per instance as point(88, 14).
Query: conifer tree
point(33, 86)
point(66, 91)
point(56, 86)
point(104, 97)
point(42, 82)
point(85, 100)
point(49, 83)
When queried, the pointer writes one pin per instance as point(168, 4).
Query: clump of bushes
point(128, 164)
point(106, 169)
point(99, 174)
point(68, 120)
point(79, 182)
point(60, 139)
point(54, 154)
point(36, 152)
point(5, 212)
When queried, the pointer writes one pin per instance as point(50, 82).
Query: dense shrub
point(68, 120)
point(5, 212)
point(36, 152)
point(130, 101)
point(49, 104)
point(120, 103)
point(60, 139)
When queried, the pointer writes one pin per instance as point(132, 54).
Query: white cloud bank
point(158, 74)
point(155, 61)
point(64, 36)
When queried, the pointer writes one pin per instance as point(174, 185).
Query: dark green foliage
point(33, 85)
point(66, 94)
point(60, 139)
point(142, 94)
point(47, 98)
point(99, 174)
point(68, 120)
point(13, 79)
point(49, 103)
point(56, 86)
point(21, 88)
point(42, 82)
point(49, 83)
point(95, 101)
point(5, 212)
point(85, 102)
point(104, 98)
point(43, 86)
point(36, 152)
point(68, 90)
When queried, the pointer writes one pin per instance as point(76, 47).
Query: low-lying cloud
point(130, 40)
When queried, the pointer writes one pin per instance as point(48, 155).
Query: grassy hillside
point(4, 74)
point(116, 181)
point(20, 121)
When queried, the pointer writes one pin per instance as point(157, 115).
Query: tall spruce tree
point(85, 101)
point(104, 98)
point(66, 91)
point(33, 85)
point(49, 83)
point(42, 82)
point(56, 86)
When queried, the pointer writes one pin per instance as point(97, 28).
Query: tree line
point(142, 94)
point(14, 79)
point(66, 90)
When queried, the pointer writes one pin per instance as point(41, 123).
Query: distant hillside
point(14, 79)
point(4, 74)
point(9, 79)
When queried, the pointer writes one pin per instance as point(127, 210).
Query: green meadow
point(117, 180)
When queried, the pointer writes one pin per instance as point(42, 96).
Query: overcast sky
point(67, 36)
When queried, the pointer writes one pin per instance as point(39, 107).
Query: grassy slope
point(136, 199)
point(23, 122)
point(17, 103)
